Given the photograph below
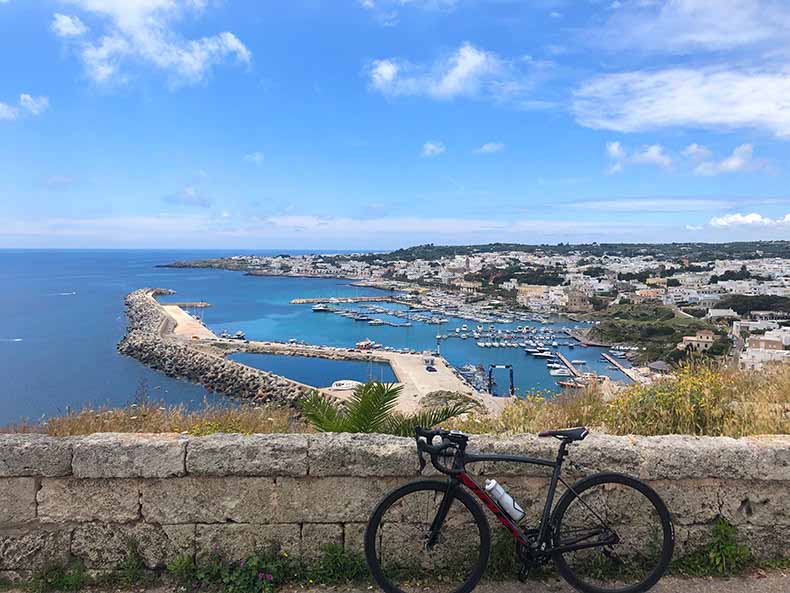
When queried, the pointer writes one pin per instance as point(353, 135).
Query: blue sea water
point(318, 372)
point(61, 316)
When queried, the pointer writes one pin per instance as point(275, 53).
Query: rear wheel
point(397, 548)
point(617, 508)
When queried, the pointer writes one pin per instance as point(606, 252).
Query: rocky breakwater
point(149, 339)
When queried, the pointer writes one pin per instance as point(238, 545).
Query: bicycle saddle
point(569, 434)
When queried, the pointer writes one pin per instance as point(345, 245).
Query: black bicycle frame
point(459, 476)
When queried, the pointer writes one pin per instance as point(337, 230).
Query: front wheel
point(404, 556)
point(628, 530)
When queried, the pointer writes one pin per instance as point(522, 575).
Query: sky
point(376, 124)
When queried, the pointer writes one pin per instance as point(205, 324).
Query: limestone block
point(679, 457)
point(25, 549)
point(316, 536)
point(248, 455)
point(756, 503)
point(116, 455)
point(690, 502)
point(71, 499)
point(17, 500)
point(354, 538)
point(345, 454)
point(209, 500)
point(34, 455)
point(336, 500)
point(237, 541)
point(106, 545)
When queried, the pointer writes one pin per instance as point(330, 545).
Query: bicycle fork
point(441, 514)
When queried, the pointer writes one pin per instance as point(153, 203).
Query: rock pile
point(148, 340)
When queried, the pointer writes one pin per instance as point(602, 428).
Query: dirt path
point(760, 582)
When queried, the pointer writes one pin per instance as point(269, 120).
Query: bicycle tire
point(460, 495)
point(667, 532)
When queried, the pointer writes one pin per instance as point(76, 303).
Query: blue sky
point(383, 123)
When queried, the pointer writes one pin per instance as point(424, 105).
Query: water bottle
point(504, 500)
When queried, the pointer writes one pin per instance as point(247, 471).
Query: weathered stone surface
point(755, 503)
point(362, 455)
point(17, 500)
point(209, 500)
point(105, 545)
point(354, 538)
point(253, 455)
point(334, 499)
point(71, 499)
point(34, 455)
point(678, 457)
point(118, 455)
point(237, 541)
point(693, 502)
point(316, 536)
point(24, 549)
point(525, 445)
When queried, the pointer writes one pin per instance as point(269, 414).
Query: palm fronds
point(371, 408)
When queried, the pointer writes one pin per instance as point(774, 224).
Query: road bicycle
point(608, 533)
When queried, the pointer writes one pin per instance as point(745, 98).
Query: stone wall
point(87, 497)
point(149, 340)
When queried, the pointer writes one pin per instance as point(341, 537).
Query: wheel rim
point(405, 560)
point(638, 556)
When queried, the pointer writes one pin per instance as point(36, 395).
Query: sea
point(62, 315)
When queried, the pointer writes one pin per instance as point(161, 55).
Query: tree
point(371, 408)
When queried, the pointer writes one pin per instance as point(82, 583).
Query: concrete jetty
point(628, 372)
point(167, 338)
point(343, 300)
point(574, 371)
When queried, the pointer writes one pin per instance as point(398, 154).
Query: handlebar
point(450, 439)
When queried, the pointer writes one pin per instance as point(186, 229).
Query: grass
point(699, 399)
point(144, 415)
point(655, 327)
point(722, 556)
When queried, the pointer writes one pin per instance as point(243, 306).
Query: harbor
point(419, 374)
point(474, 342)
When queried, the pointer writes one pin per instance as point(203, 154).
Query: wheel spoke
point(603, 507)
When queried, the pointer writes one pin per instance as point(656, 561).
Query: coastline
point(166, 338)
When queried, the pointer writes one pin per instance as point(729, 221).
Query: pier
point(628, 372)
point(343, 300)
point(574, 371)
point(410, 369)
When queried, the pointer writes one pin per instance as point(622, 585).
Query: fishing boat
point(321, 308)
point(570, 384)
point(560, 373)
point(578, 362)
point(544, 355)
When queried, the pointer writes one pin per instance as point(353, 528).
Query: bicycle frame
point(459, 476)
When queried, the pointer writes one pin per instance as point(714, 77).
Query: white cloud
point(26, 103)
point(387, 12)
point(7, 112)
point(653, 154)
point(142, 32)
point(681, 97)
point(491, 147)
point(68, 26)
point(433, 149)
point(189, 196)
point(652, 204)
point(686, 26)
point(694, 227)
point(697, 152)
point(35, 105)
point(739, 161)
point(469, 71)
point(256, 158)
point(752, 219)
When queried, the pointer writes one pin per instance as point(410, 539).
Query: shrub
point(723, 556)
